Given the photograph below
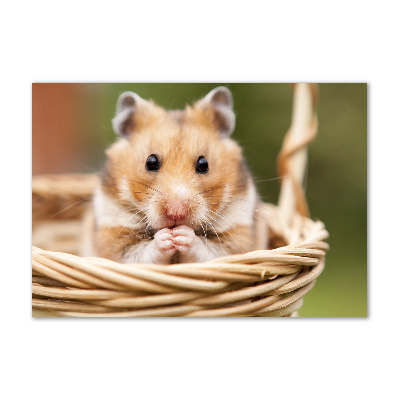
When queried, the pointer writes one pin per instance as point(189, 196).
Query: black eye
point(152, 163)
point(201, 165)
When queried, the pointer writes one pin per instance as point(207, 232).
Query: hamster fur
point(175, 186)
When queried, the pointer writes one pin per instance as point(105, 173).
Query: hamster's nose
point(177, 209)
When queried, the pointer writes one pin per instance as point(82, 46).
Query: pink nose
point(177, 210)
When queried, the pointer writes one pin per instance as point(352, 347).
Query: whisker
point(219, 187)
point(234, 198)
point(115, 241)
point(255, 216)
point(226, 231)
point(205, 234)
point(65, 209)
point(212, 227)
point(233, 216)
point(258, 205)
point(232, 184)
point(230, 205)
point(272, 179)
point(151, 188)
point(227, 220)
point(80, 201)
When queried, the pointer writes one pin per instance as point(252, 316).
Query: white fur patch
point(109, 212)
point(143, 252)
point(239, 211)
point(203, 250)
point(181, 192)
point(125, 193)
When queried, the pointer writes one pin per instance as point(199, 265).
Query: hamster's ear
point(220, 101)
point(128, 104)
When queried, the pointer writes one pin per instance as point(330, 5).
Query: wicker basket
point(262, 283)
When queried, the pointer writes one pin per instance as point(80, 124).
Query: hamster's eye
point(152, 163)
point(201, 165)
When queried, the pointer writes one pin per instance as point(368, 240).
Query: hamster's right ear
point(220, 102)
point(128, 105)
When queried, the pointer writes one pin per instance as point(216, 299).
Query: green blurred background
point(337, 170)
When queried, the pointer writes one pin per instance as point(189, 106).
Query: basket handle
point(292, 159)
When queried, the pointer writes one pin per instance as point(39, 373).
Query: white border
point(338, 41)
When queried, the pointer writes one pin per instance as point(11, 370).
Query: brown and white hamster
point(175, 186)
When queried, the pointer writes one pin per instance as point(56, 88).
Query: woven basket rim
point(74, 286)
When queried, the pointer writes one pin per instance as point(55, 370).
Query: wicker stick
point(78, 294)
point(293, 157)
point(270, 283)
point(244, 294)
point(61, 196)
point(173, 311)
point(288, 311)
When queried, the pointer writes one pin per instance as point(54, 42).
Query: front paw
point(164, 243)
point(184, 239)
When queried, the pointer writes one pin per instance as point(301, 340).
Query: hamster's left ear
point(220, 101)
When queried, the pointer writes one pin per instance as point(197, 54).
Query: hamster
point(175, 188)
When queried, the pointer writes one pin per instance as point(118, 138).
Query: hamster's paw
point(184, 239)
point(164, 243)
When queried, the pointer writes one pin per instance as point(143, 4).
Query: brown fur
point(113, 242)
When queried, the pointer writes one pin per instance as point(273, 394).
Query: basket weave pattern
point(261, 283)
